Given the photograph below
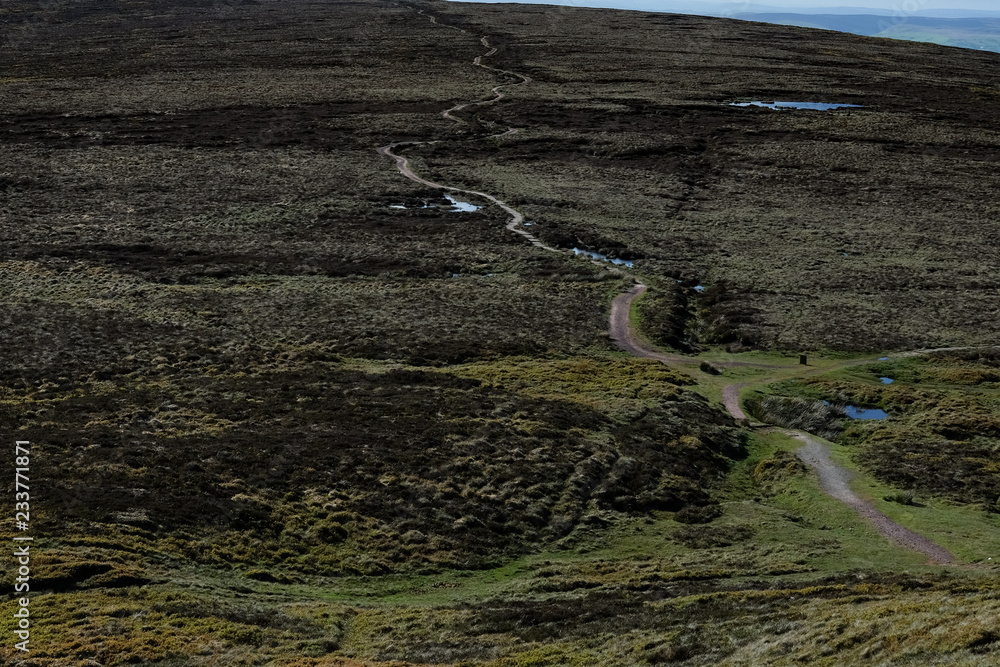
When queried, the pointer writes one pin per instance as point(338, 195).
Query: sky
point(725, 7)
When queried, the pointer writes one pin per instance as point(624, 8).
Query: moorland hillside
point(290, 407)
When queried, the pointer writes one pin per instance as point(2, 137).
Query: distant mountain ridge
point(971, 33)
point(753, 8)
point(733, 8)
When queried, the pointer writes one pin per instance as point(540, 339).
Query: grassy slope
point(270, 426)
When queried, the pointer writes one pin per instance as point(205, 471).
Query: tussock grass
point(826, 421)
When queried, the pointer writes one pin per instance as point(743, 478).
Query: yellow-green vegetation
point(288, 408)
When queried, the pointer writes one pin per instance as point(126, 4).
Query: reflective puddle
point(863, 413)
point(459, 206)
point(887, 380)
point(605, 258)
point(816, 106)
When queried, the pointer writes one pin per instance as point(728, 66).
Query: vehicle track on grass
point(624, 333)
point(731, 392)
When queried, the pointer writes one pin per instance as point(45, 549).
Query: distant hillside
point(968, 33)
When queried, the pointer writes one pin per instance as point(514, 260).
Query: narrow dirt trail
point(625, 335)
point(731, 399)
point(516, 218)
point(403, 164)
point(628, 339)
point(835, 481)
point(497, 95)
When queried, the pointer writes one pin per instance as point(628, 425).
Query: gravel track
point(731, 399)
point(835, 481)
point(627, 338)
point(833, 478)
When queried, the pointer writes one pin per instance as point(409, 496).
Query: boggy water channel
point(815, 106)
point(604, 258)
point(457, 206)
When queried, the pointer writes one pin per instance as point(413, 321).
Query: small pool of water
point(816, 106)
point(883, 358)
point(863, 413)
point(887, 380)
point(459, 206)
point(597, 255)
point(700, 288)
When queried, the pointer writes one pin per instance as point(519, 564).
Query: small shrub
point(709, 368)
point(329, 531)
point(777, 468)
point(901, 497)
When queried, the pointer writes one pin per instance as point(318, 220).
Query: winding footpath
point(403, 164)
point(497, 95)
point(516, 218)
point(624, 334)
point(834, 479)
